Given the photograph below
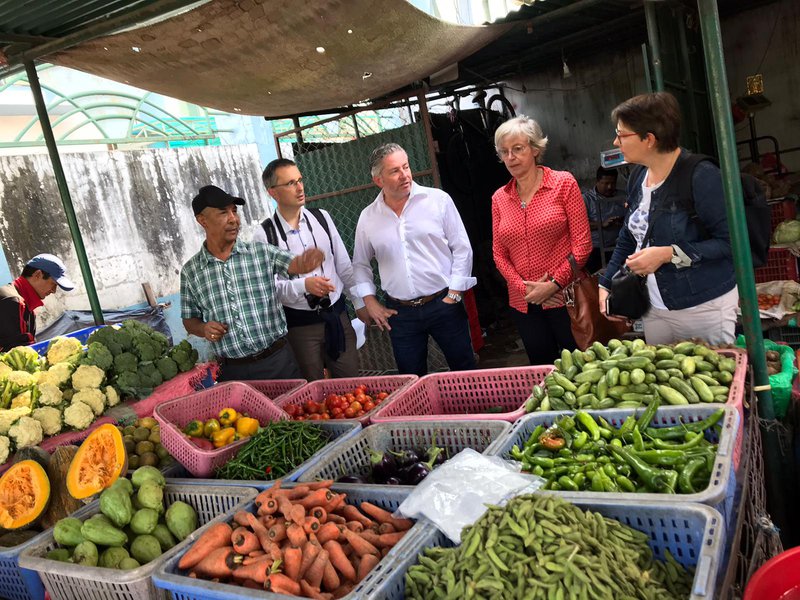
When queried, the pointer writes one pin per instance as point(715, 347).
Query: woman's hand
point(648, 260)
point(602, 296)
point(537, 292)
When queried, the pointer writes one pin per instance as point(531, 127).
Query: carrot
point(319, 513)
point(316, 498)
point(336, 502)
point(217, 536)
point(294, 493)
point(258, 552)
point(385, 551)
point(277, 532)
point(310, 551)
point(292, 559)
point(329, 531)
point(330, 578)
point(316, 485)
point(365, 565)
point(281, 584)
point(257, 559)
point(336, 518)
point(387, 540)
point(296, 535)
point(359, 544)
point(343, 590)
point(265, 503)
point(351, 513)
point(252, 585)
point(354, 526)
point(275, 551)
point(311, 525)
point(240, 518)
point(293, 512)
point(244, 541)
point(384, 516)
point(386, 528)
point(317, 569)
point(311, 592)
point(372, 537)
point(218, 563)
point(259, 530)
point(268, 520)
point(339, 561)
point(255, 572)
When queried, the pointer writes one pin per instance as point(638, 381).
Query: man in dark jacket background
point(40, 277)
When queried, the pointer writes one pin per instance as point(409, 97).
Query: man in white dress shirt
point(319, 329)
point(425, 264)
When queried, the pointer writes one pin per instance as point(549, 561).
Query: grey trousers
point(713, 321)
point(308, 344)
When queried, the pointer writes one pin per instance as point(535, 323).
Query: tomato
point(350, 397)
point(360, 389)
point(337, 413)
point(315, 417)
point(349, 413)
point(381, 396)
point(325, 416)
point(360, 413)
point(369, 405)
point(356, 405)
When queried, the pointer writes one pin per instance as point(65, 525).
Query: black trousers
point(544, 333)
point(281, 365)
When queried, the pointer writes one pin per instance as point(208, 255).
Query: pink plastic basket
point(466, 395)
point(736, 396)
point(205, 404)
point(277, 390)
point(318, 390)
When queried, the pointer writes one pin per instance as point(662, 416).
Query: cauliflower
point(22, 379)
point(5, 448)
point(4, 368)
point(23, 358)
point(78, 415)
point(112, 396)
point(26, 432)
point(49, 394)
point(87, 376)
point(23, 399)
point(93, 398)
point(9, 416)
point(57, 374)
point(64, 349)
point(50, 419)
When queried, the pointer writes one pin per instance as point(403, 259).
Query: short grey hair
point(381, 152)
point(525, 126)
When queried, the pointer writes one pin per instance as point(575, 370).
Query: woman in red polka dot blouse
point(538, 220)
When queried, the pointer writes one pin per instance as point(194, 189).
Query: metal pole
point(655, 48)
point(66, 200)
point(740, 242)
point(425, 117)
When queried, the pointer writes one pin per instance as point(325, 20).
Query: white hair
point(525, 126)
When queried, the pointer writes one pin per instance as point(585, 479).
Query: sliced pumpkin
point(99, 462)
point(24, 494)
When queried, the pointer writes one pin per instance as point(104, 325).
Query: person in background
point(425, 264)
point(40, 277)
point(228, 293)
point(680, 244)
point(320, 331)
point(538, 221)
point(605, 209)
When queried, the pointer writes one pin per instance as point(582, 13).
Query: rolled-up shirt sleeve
point(456, 234)
point(363, 252)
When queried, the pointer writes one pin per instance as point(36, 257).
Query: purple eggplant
point(351, 479)
point(405, 458)
point(394, 480)
point(420, 470)
point(383, 465)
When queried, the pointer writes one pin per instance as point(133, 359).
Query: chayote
point(111, 557)
point(85, 554)
point(60, 554)
point(145, 548)
point(67, 532)
point(151, 495)
point(128, 563)
point(95, 530)
point(181, 519)
point(147, 473)
point(164, 537)
point(124, 484)
point(115, 503)
point(144, 521)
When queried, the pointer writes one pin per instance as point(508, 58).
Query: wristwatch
point(454, 296)
point(679, 258)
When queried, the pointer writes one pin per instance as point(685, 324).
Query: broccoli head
point(184, 355)
point(167, 367)
point(23, 358)
point(99, 355)
point(88, 377)
point(149, 375)
point(64, 349)
point(126, 361)
point(147, 350)
point(130, 386)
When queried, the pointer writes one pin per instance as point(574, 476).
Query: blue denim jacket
point(703, 237)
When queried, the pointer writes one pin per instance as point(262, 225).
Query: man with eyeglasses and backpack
point(320, 331)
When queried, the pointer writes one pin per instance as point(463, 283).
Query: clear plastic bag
point(456, 494)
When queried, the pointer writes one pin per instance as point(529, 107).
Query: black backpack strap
point(269, 230)
point(684, 173)
point(320, 217)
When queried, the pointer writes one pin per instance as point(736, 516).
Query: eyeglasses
point(517, 150)
point(621, 134)
point(290, 184)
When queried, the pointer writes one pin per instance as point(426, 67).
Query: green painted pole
point(740, 242)
point(655, 47)
point(66, 200)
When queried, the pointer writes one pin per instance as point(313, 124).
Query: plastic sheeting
point(74, 320)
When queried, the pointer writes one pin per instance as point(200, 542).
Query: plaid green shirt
point(240, 292)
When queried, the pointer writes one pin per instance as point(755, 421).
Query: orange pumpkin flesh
point(99, 462)
point(24, 494)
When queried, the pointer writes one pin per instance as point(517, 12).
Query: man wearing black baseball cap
point(40, 277)
point(228, 293)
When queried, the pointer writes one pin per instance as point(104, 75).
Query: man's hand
point(648, 260)
point(363, 314)
point(378, 313)
point(319, 286)
point(214, 330)
point(447, 300)
point(306, 262)
point(537, 292)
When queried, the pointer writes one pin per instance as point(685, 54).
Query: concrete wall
point(133, 209)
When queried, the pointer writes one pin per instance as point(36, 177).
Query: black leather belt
point(419, 301)
point(276, 345)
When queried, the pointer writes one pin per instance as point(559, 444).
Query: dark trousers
point(448, 325)
point(308, 343)
point(280, 365)
point(594, 264)
point(544, 333)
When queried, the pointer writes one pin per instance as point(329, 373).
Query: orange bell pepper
point(227, 417)
point(247, 426)
point(223, 437)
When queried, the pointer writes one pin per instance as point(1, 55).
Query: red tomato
point(360, 413)
point(337, 413)
point(350, 397)
point(356, 406)
point(369, 405)
point(362, 389)
point(325, 416)
point(381, 396)
point(349, 413)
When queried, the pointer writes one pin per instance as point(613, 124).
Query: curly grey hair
point(381, 152)
point(525, 126)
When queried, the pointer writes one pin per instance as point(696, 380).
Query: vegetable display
point(407, 467)
point(586, 453)
point(142, 441)
point(302, 541)
point(277, 449)
point(629, 374)
point(100, 460)
point(24, 494)
point(540, 546)
point(350, 405)
point(228, 427)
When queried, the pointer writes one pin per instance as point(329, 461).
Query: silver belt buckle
point(416, 302)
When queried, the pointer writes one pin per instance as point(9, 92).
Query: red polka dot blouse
point(529, 242)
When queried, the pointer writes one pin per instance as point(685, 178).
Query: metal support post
point(655, 48)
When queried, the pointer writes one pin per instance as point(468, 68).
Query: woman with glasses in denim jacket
point(538, 220)
point(681, 244)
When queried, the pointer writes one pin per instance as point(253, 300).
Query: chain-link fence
point(333, 156)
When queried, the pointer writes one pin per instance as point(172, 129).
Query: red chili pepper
point(268, 470)
point(551, 441)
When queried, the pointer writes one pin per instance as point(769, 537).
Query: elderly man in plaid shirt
point(228, 293)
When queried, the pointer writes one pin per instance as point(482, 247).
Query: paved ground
point(503, 348)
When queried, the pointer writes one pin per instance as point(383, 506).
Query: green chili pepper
point(579, 440)
point(694, 439)
point(567, 484)
point(679, 431)
point(625, 484)
point(647, 416)
point(656, 479)
point(638, 441)
point(687, 473)
point(534, 437)
point(627, 427)
point(662, 457)
point(589, 424)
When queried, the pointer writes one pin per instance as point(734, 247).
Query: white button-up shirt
point(337, 268)
point(421, 252)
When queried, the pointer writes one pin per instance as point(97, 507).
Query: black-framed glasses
point(318, 302)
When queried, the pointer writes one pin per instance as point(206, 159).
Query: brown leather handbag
point(581, 297)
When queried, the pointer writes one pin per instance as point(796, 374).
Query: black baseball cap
point(211, 195)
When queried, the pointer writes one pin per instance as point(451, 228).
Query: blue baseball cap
point(53, 266)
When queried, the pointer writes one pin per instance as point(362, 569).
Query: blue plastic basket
point(694, 534)
point(168, 577)
point(718, 494)
point(17, 583)
point(81, 334)
point(66, 581)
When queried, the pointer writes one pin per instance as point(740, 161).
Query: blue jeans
point(448, 325)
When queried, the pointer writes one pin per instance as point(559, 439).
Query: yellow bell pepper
point(227, 417)
point(247, 426)
point(210, 426)
point(194, 428)
point(223, 437)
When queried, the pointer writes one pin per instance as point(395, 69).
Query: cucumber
point(607, 403)
point(638, 344)
point(727, 364)
point(675, 373)
point(628, 404)
point(637, 376)
point(650, 378)
point(685, 389)
point(720, 399)
point(707, 378)
point(592, 366)
point(557, 404)
point(684, 347)
point(571, 372)
point(583, 389)
point(624, 378)
point(620, 352)
point(555, 391)
point(719, 390)
point(634, 397)
point(589, 356)
point(634, 362)
point(614, 344)
point(586, 400)
point(724, 377)
point(538, 392)
point(545, 405)
point(703, 366)
point(565, 383)
point(688, 366)
point(661, 376)
point(600, 350)
point(671, 396)
point(617, 391)
point(607, 365)
point(702, 389)
point(602, 389)
point(566, 360)
point(612, 377)
point(557, 364)
point(648, 354)
point(664, 354)
point(577, 358)
point(639, 388)
point(592, 376)
point(667, 364)
point(570, 399)
point(650, 368)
